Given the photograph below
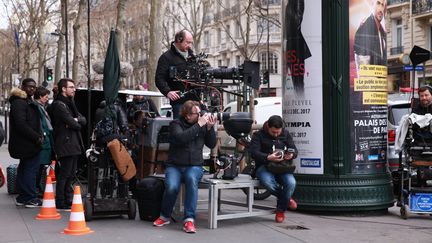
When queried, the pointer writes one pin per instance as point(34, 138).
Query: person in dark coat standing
point(264, 145)
point(188, 135)
point(296, 46)
point(174, 63)
point(68, 144)
point(41, 98)
point(25, 141)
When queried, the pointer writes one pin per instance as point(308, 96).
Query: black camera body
point(199, 70)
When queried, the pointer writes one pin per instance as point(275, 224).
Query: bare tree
point(190, 15)
point(29, 18)
point(243, 15)
point(155, 44)
point(61, 41)
point(121, 22)
point(77, 52)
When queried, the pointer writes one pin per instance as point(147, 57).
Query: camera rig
point(212, 81)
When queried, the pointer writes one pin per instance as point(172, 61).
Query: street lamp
point(268, 50)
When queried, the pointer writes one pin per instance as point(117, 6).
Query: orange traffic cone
point(77, 224)
point(51, 172)
point(48, 210)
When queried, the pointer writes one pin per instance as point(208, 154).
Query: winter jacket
point(173, 63)
point(67, 131)
point(25, 126)
point(262, 145)
point(187, 142)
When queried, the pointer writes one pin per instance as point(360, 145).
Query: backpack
point(104, 127)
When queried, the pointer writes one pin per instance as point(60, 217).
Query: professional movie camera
point(199, 70)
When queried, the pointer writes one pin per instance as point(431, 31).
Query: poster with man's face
point(368, 85)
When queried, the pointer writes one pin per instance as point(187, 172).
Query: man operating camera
point(188, 136)
point(174, 64)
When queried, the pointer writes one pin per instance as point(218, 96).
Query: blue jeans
point(174, 176)
point(281, 186)
point(176, 110)
point(26, 178)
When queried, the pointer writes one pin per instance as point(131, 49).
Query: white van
point(264, 108)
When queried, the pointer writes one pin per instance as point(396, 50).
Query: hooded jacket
point(262, 144)
point(187, 142)
point(25, 126)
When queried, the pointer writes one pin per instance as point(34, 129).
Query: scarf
point(69, 101)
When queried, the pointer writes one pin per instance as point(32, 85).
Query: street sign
point(419, 55)
point(411, 68)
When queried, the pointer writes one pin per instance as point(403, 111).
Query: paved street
point(19, 225)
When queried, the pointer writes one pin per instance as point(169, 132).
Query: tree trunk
point(155, 45)
point(121, 22)
point(60, 44)
point(77, 41)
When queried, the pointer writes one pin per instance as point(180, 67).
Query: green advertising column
point(335, 103)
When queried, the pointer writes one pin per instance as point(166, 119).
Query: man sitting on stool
point(188, 135)
point(263, 145)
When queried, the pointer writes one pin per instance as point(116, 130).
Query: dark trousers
point(65, 176)
point(176, 110)
point(26, 178)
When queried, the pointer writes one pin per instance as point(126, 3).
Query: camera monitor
point(251, 75)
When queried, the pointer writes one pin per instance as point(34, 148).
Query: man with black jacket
point(68, 144)
point(266, 146)
point(25, 141)
point(172, 64)
point(188, 135)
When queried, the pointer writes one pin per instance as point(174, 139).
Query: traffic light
point(266, 77)
point(49, 74)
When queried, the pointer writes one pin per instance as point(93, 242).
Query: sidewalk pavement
point(18, 224)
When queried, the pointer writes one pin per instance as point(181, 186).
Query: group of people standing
point(39, 133)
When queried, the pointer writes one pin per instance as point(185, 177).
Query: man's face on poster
point(379, 8)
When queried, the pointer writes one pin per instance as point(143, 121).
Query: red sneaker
point(189, 227)
point(160, 222)
point(292, 205)
point(280, 217)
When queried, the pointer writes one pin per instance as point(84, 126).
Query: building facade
point(408, 23)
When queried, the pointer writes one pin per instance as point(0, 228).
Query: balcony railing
point(421, 6)
point(396, 50)
point(394, 2)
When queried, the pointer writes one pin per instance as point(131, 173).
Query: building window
point(228, 62)
point(238, 61)
point(430, 37)
point(219, 35)
point(397, 45)
point(228, 32)
point(206, 39)
point(237, 30)
point(273, 67)
point(262, 25)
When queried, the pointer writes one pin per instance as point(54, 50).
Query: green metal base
point(347, 193)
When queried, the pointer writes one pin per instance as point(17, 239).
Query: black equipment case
point(149, 192)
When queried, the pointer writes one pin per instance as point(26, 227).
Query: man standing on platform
point(173, 64)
